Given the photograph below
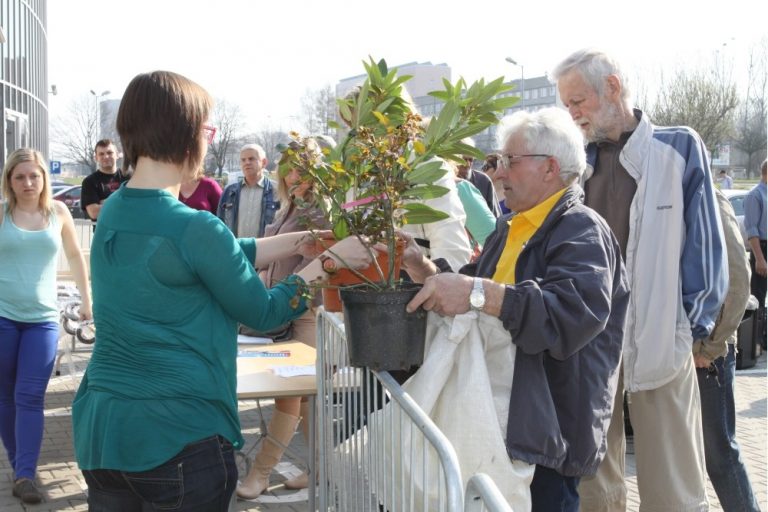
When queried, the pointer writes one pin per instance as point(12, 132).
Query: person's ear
point(613, 87)
point(553, 169)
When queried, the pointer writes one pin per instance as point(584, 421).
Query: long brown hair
point(18, 157)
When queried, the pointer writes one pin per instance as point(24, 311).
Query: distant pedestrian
point(33, 229)
point(724, 181)
point(755, 225)
point(479, 180)
point(250, 204)
point(489, 167)
point(99, 185)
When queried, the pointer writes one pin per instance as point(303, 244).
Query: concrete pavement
point(64, 488)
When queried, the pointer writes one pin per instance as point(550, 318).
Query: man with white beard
point(653, 186)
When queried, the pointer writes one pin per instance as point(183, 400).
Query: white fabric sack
point(464, 386)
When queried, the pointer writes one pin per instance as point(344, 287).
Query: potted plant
point(376, 179)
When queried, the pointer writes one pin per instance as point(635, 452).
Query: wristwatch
point(328, 263)
point(477, 296)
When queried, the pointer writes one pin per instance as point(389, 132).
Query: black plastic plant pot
point(381, 335)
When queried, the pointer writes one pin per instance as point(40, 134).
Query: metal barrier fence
point(482, 494)
point(377, 449)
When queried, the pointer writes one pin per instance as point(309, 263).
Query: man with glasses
point(552, 274)
point(479, 179)
point(250, 204)
point(97, 187)
point(653, 186)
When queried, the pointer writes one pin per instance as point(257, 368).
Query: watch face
point(477, 295)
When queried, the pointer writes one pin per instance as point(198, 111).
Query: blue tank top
point(28, 271)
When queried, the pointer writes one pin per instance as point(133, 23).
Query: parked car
point(70, 196)
point(737, 197)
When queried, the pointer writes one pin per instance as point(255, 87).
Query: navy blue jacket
point(566, 316)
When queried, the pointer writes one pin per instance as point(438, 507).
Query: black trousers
point(758, 284)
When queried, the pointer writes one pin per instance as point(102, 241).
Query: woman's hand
point(412, 255)
point(85, 312)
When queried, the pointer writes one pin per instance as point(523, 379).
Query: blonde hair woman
point(297, 213)
point(33, 227)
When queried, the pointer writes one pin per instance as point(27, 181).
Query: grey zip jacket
point(566, 315)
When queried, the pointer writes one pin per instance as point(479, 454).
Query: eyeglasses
point(506, 161)
point(210, 132)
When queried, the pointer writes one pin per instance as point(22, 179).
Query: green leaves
point(392, 156)
point(428, 172)
point(424, 192)
point(417, 213)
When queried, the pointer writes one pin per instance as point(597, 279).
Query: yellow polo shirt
point(521, 228)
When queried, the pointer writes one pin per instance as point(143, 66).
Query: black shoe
point(25, 489)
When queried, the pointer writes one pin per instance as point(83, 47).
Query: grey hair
point(550, 131)
point(255, 147)
point(595, 66)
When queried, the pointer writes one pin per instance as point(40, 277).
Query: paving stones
point(62, 483)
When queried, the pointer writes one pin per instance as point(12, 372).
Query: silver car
point(737, 197)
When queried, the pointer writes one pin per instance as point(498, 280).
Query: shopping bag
point(464, 386)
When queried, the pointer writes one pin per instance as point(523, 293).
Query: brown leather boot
point(301, 481)
point(281, 429)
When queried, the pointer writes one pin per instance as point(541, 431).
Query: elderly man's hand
point(445, 294)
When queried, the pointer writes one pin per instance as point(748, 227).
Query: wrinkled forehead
point(250, 153)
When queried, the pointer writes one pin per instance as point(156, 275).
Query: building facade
point(23, 76)
point(534, 93)
point(426, 77)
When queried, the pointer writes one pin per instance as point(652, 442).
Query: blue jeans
point(200, 478)
point(27, 354)
point(553, 492)
point(718, 416)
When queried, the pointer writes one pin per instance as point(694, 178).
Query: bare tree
point(704, 98)
point(751, 132)
point(77, 132)
point(269, 138)
point(229, 123)
point(318, 110)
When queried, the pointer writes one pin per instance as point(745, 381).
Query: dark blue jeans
point(553, 492)
point(27, 354)
point(721, 451)
point(200, 478)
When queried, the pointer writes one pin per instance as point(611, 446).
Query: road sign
point(55, 167)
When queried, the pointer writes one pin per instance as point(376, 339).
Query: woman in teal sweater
point(158, 402)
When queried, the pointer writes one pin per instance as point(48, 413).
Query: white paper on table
point(242, 339)
point(294, 371)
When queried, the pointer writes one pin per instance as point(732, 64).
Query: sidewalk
point(63, 486)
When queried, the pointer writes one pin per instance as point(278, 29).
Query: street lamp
point(522, 80)
point(98, 108)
